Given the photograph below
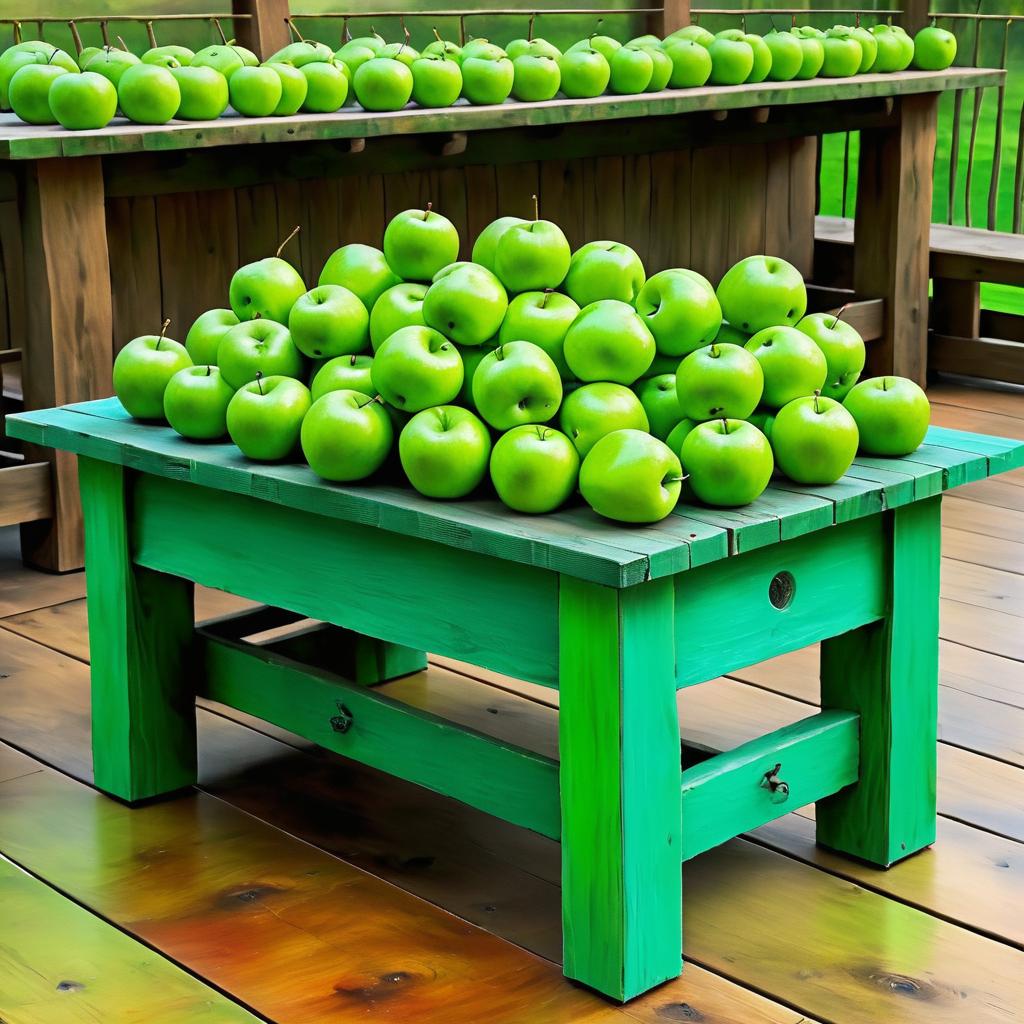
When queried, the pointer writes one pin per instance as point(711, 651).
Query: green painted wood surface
point(725, 796)
point(888, 673)
point(725, 620)
point(19, 141)
point(618, 737)
point(60, 964)
point(574, 542)
point(402, 589)
point(140, 630)
point(515, 784)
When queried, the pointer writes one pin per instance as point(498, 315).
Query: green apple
point(660, 400)
point(787, 55)
point(763, 419)
point(532, 256)
point(543, 318)
point(255, 92)
point(891, 413)
point(204, 93)
point(265, 417)
point(466, 303)
point(444, 48)
point(374, 43)
point(868, 45)
point(813, 57)
point(383, 83)
point(609, 341)
point(346, 436)
point(537, 47)
point(482, 48)
point(29, 92)
point(593, 410)
point(142, 370)
point(416, 368)
point(646, 40)
point(719, 381)
point(732, 335)
point(844, 351)
point(302, 51)
point(679, 433)
point(444, 451)
point(354, 57)
point(934, 49)
point(732, 61)
point(631, 477)
point(691, 64)
point(148, 94)
point(196, 402)
point(604, 45)
point(418, 243)
point(693, 33)
point(329, 321)
point(400, 306)
point(534, 468)
point(112, 63)
point(843, 54)
point(681, 309)
point(204, 336)
point(485, 247)
point(762, 291)
point(662, 68)
point(258, 347)
point(808, 32)
point(486, 80)
point(163, 55)
point(793, 365)
point(516, 383)
point(604, 270)
point(225, 59)
point(83, 58)
point(535, 77)
point(472, 357)
point(728, 462)
point(344, 373)
point(82, 102)
point(361, 269)
point(294, 88)
point(631, 70)
point(33, 51)
point(585, 72)
point(895, 49)
point(403, 52)
point(326, 87)
point(762, 53)
point(814, 440)
point(266, 289)
point(436, 80)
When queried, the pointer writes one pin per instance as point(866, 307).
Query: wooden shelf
point(25, 493)
point(19, 141)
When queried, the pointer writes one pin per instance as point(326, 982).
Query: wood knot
point(679, 1011)
point(70, 986)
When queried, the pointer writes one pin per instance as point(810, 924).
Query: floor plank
point(59, 963)
point(23, 589)
point(1007, 402)
point(1007, 555)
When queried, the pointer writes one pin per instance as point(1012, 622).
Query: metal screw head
point(342, 721)
point(781, 590)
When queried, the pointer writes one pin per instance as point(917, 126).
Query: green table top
point(575, 540)
point(20, 141)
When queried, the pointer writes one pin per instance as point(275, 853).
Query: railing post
point(266, 30)
point(914, 15)
point(675, 15)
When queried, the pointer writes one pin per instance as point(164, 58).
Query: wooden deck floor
point(296, 887)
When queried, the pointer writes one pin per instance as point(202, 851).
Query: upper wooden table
point(104, 233)
point(618, 618)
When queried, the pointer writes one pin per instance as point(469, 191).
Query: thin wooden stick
point(979, 96)
point(151, 34)
point(1018, 181)
point(997, 139)
point(75, 37)
point(294, 232)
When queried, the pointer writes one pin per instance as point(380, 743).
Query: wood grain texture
point(25, 493)
point(265, 31)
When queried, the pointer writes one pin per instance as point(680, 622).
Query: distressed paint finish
point(619, 745)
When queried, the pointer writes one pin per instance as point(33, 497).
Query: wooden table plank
point(19, 141)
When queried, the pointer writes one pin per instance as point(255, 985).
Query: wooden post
point(140, 640)
point(891, 233)
point(914, 15)
point(68, 343)
point(620, 784)
point(956, 308)
point(888, 672)
point(266, 31)
point(674, 16)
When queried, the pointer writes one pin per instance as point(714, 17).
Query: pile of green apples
point(550, 371)
point(44, 85)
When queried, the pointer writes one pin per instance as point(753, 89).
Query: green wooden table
point(617, 618)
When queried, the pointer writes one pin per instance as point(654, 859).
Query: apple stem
point(294, 232)
point(885, 383)
point(151, 34)
point(536, 207)
point(352, 361)
point(675, 479)
point(437, 36)
point(220, 31)
point(817, 395)
point(725, 425)
point(426, 212)
point(163, 331)
point(76, 38)
point(499, 352)
point(714, 353)
point(294, 31)
point(124, 45)
point(542, 433)
point(376, 398)
point(547, 295)
point(209, 370)
point(838, 314)
point(259, 381)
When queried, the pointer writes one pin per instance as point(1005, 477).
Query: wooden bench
point(963, 337)
point(618, 618)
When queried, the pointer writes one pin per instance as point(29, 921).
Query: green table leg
point(140, 636)
point(888, 672)
point(620, 786)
